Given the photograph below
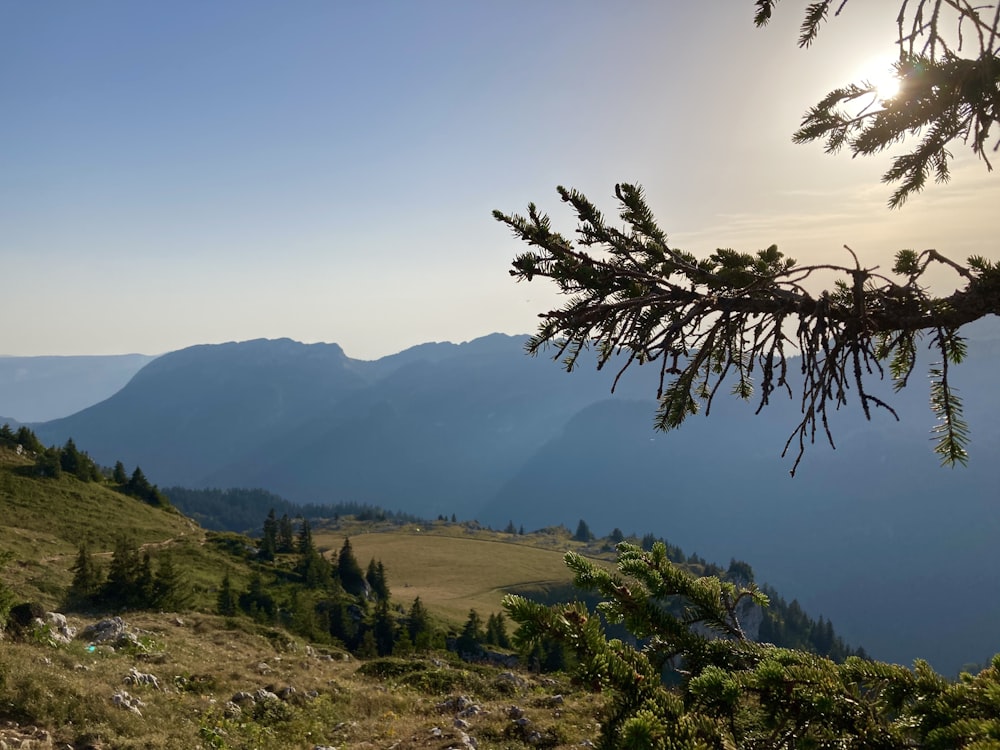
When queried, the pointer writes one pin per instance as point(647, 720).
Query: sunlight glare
point(881, 74)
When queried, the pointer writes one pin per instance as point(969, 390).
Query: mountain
point(874, 535)
point(35, 389)
point(434, 429)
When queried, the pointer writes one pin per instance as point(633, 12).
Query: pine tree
point(733, 692)
point(226, 600)
point(371, 576)
point(87, 578)
point(305, 543)
point(383, 628)
point(351, 576)
point(171, 591)
point(269, 539)
point(118, 474)
point(583, 533)
point(69, 457)
point(472, 636)
point(126, 575)
point(496, 631)
point(28, 440)
point(418, 623)
point(368, 649)
point(285, 538)
point(379, 581)
point(48, 463)
point(256, 601)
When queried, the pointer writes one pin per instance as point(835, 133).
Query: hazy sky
point(176, 173)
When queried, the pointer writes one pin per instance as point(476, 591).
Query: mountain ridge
point(482, 431)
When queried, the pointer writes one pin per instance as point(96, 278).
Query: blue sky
point(186, 172)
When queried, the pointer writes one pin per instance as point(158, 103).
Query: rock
point(135, 677)
point(470, 711)
point(112, 632)
point(264, 695)
point(59, 629)
point(241, 697)
point(128, 702)
point(462, 724)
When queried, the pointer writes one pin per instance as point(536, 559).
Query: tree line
point(54, 462)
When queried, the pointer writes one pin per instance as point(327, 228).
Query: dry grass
point(453, 570)
point(59, 696)
point(201, 661)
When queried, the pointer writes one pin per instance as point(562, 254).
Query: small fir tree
point(226, 601)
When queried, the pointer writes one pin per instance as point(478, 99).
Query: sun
point(883, 77)
point(886, 85)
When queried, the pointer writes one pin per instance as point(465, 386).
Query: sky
point(182, 173)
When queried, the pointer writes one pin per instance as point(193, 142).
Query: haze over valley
point(481, 431)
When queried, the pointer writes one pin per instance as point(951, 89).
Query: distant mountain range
point(897, 551)
point(35, 389)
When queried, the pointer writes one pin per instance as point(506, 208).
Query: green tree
point(383, 628)
point(28, 440)
point(87, 578)
point(269, 539)
point(127, 575)
point(70, 457)
point(48, 464)
point(139, 487)
point(349, 572)
point(733, 692)
point(118, 474)
point(470, 640)
point(226, 601)
point(305, 543)
point(583, 533)
point(171, 591)
point(285, 535)
point(496, 631)
point(256, 601)
point(375, 575)
point(418, 623)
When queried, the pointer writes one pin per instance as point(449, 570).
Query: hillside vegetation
point(92, 693)
point(204, 677)
point(480, 431)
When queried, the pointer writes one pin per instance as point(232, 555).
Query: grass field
point(453, 569)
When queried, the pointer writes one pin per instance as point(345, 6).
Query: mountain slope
point(34, 389)
point(482, 431)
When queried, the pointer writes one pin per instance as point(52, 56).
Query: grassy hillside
point(63, 693)
point(56, 694)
